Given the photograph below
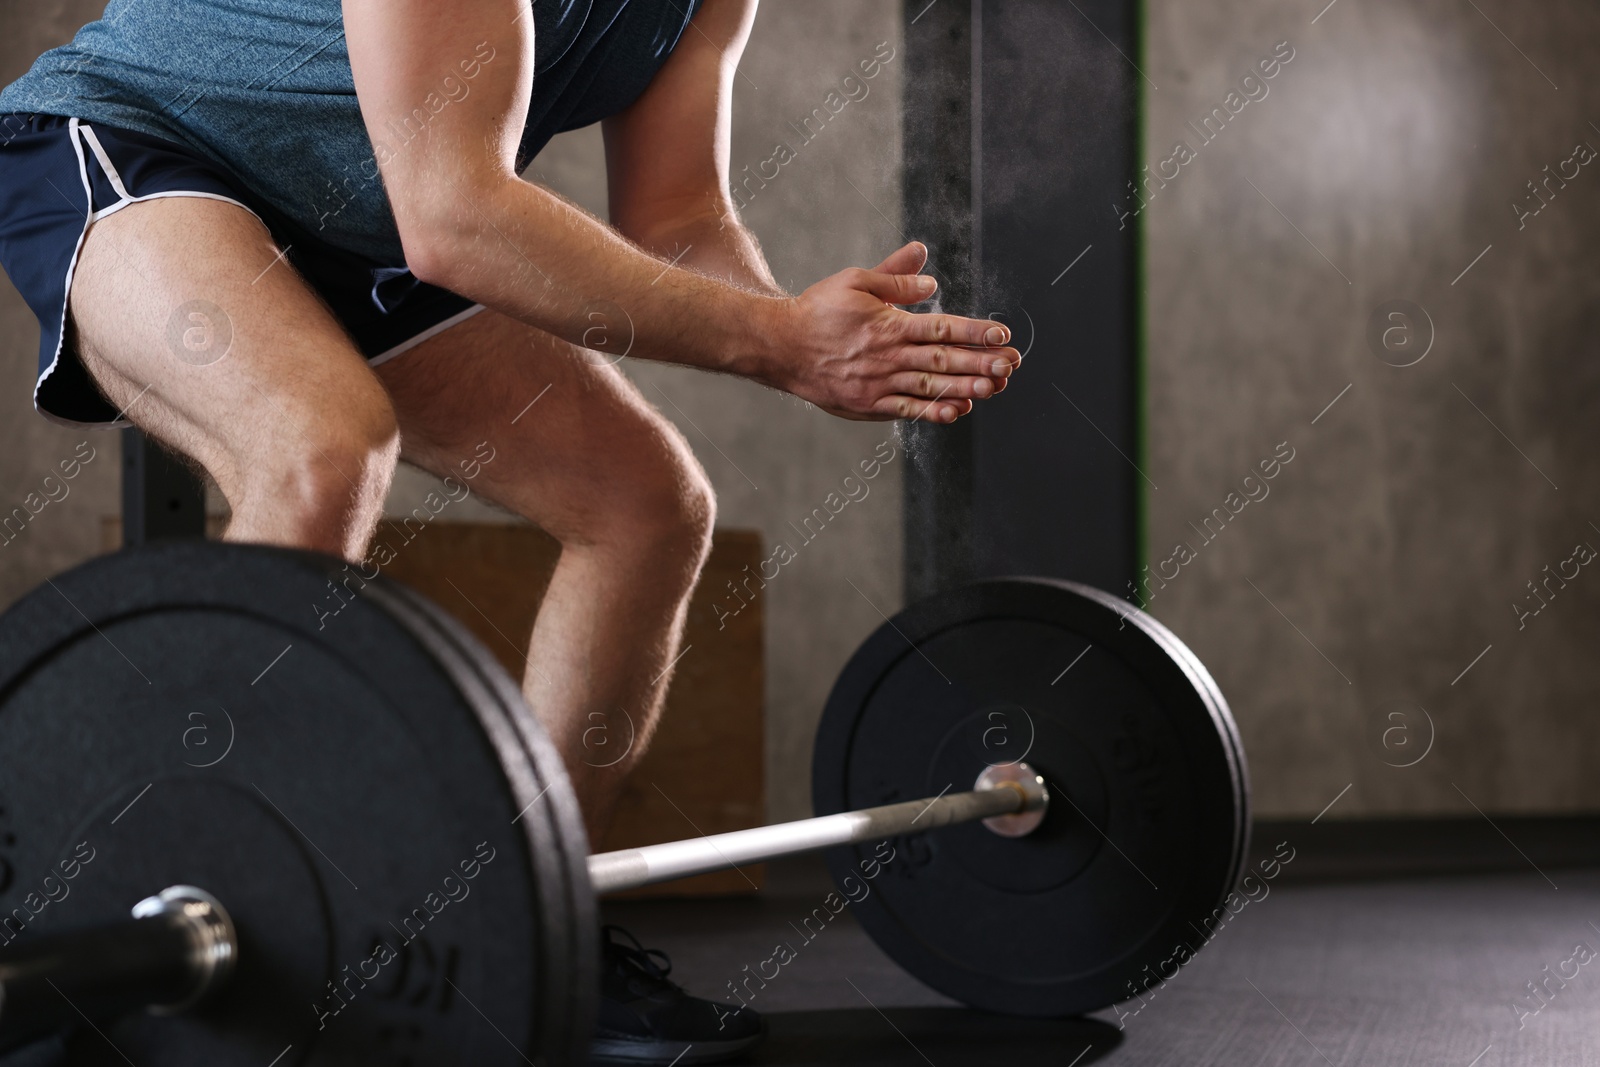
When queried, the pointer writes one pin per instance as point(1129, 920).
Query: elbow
point(439, 212)
point(444, 223)
point(432, 254)
point(436, 232)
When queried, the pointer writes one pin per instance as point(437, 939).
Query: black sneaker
point(646, 1018)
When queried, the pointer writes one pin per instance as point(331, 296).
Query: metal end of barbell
point(216, 942)
point(1035, 798)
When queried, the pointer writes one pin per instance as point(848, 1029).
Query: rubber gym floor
point(1386, 968)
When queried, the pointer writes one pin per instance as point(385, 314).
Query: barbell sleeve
point(177, 947)
point(612, 872)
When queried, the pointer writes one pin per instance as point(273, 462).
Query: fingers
point(908, 259)
point(893, 288)
point(943, 386)
point(948, 359)
point(940, 383)
point(921, 409)
point(954, 330)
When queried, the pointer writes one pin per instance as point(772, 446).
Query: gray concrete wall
point(1340, 612)
point(771, 459)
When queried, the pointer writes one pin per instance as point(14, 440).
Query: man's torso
point(264, 87)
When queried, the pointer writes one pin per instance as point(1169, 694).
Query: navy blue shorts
point(59, 176)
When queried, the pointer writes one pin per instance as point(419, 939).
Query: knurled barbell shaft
point(634, 867)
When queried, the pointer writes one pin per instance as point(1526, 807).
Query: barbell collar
point(178, 947)
point(1019, 792)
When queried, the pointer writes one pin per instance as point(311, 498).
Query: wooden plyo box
point(708, 755)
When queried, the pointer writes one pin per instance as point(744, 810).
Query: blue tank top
point(264, 88)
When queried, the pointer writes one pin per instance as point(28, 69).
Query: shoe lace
point(633, 960)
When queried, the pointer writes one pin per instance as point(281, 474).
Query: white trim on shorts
point(431, 332)
point(124, 198)
point(81, 134)
point(72, 266)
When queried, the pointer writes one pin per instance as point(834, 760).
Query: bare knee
point(691, 515)
point(346, 464)
point(660, 509)
point(321, 481)
point(670, 512)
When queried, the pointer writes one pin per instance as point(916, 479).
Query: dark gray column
point(1022, 125)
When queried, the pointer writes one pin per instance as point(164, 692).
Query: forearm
point(713, 243)
point(524, 251)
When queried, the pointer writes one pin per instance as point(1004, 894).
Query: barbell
point(237, 828)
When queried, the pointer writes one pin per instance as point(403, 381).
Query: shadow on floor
point(915, 1037)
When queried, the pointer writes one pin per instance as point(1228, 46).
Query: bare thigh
point(579, 450)
point(189, 319)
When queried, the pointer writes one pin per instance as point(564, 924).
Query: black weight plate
point(571, 923)
point(196, 713)
point(1146, 831)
